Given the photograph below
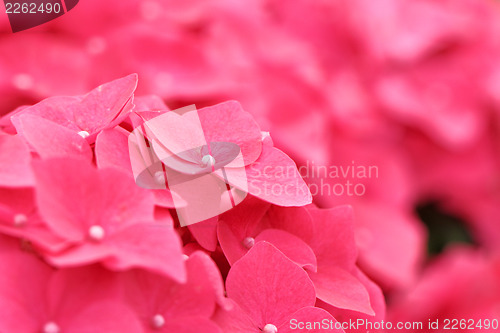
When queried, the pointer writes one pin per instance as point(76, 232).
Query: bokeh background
point(411, 88)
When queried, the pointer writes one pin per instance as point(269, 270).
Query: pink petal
point(73, 289)
point(80, 254)
point(341, 289)
point(174, 134)
point(165, 198)
point(6, 124)
point(18, 204)
point(333, 241)
point(23, 285)
point(15, 169)
point(295, 220)
point(152, 294)
point(73, 196)
point(108, 316)
point(291, 246)
point(377, 301)
point(231, 241)
point(274, 177)
point(237, 224)
point(189, 325)
point(203, 197)
point(235, 320)
point(61, 141)
point(105, 106)
point(213, 274)
point(205, 233)
point(228, 122)
point(298, 321)
point(111, 150)
point(154, 247)
point(55, 109)
point(145, 164)
point(264, 275)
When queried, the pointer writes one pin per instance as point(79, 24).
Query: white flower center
point(83, 134)
point(208, 160)
point(160, 177)
point(96, 232)
point(158, 321)
point(51, 327)
point(185, 257)
point(20, 220)
point(269, 328)
point(249, 242)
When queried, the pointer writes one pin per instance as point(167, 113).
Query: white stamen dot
point(185, 257)
point(160, 177)
point(83, 134)
point(96, 232)
point(249, 242)
point(20, 220)
point(51, 327)
point(23, 81)
point(265, 135)
point(158, 321)
point(208, 160)
point(270, 328)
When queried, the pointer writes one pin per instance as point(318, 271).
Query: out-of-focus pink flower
point(476, 169)
point(429, 62)
point(36, 66)
point(37, 298)
point(104, 217)
point(255, 283)
point(461, 284)
point(376, 179)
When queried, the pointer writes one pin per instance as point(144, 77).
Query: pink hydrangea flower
point(167, 306)
point(104, 217)
point(104, 107)
point(255, 283)
point(37, 298)
point(308, 237)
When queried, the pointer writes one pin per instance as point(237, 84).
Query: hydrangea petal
point(341, 289)
point(111, 150)
point(291, 246)
point(72, 196)
point(263, 275)
point(228, 122)
point(310, 314)
point(61, 141)
point(15, 160)
point(106, 105)
point(273, 177)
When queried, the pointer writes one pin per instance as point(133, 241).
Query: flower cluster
point(79, 233)
point(341, 154)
